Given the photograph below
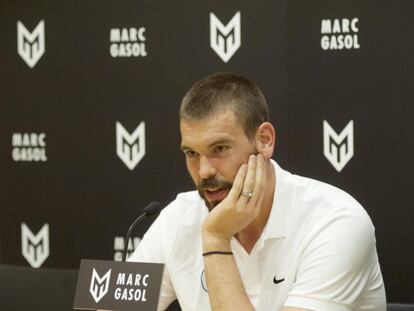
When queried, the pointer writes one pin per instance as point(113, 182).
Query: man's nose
point(207, 168)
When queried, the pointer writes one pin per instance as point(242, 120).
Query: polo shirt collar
point(283, 201)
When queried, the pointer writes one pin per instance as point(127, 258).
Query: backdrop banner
point(90, 93)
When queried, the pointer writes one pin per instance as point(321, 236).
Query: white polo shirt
point(316, 252)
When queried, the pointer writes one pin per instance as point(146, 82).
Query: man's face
point(215, 148)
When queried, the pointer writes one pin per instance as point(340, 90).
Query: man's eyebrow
point(220, 141)
point(213, 143)
point(184, 147)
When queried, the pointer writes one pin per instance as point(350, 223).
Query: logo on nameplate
point(99, 285)
point(340, 34)
point(338, 148)
point(225, 40)
point(111, 285)
point(35, 247)
point(130, 148)
point(31, 45)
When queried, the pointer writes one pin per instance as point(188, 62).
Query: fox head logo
point(99, 285)
point(225, 40)
point(31, 45)
point(35, 248)
point(338, 148)
point(130, 148)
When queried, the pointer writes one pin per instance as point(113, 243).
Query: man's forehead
point(222, 117)
point(225, 122)
point(221, 127)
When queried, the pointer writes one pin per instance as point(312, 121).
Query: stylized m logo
point(35, 248)
point(225, 40)
point(31, 45)
point(338, 149)
point(130, 148)
point(99, 286)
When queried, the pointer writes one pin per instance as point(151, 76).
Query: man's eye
point(190, 153)
point(220, 148)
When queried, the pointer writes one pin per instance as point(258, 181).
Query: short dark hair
point(226, 90)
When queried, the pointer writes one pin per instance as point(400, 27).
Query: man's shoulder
point(188, 198)
point(307, 189)
point(318, 198)
point(187, 206)
point(312, 189)
point(185, 201)
point(320, 207)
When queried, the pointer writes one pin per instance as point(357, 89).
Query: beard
point(214, 183)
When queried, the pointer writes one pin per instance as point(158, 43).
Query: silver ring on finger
point(247, 194)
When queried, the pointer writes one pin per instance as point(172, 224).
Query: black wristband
point(217, 253)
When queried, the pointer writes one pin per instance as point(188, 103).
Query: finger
point(238, 183)
point(248, 184)
point(260, 181)
point(249, 181)
point(257, 207)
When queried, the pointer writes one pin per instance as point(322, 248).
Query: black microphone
point(149, 210)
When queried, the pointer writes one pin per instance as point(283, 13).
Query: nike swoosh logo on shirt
point(276, 281)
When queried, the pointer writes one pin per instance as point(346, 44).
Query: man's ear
point(266, 139)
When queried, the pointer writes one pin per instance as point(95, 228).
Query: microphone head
point(152, 208)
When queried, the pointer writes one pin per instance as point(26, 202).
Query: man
point(254, 236)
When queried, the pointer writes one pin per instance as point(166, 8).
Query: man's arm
point(236, 212)
point(225, 287)
point(224, 284)
point(232, 215)
point(339, 265)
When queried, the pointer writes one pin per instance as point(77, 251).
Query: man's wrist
point(213, 242)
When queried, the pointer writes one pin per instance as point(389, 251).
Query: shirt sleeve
point(337, 263)
point(155, 247)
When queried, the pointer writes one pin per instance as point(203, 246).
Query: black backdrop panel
point(371, 85)
point(77, 91)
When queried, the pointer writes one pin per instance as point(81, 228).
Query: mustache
point(213, 183)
